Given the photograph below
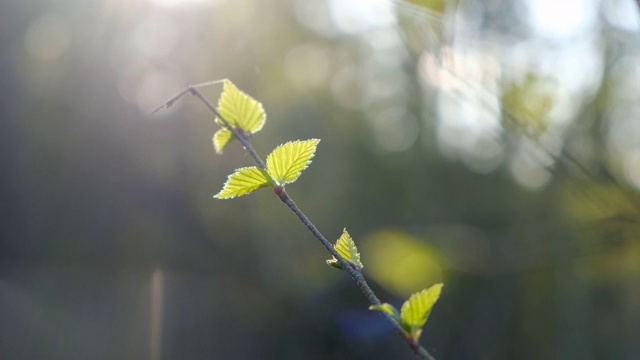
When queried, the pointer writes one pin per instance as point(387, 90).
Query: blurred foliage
point(527, 104)
point(437, 6)
point(400, 262)
point(108, 212)
point(606, 217)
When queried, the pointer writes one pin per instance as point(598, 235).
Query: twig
point(355, 274)
point(238, 133)
point(279, 190)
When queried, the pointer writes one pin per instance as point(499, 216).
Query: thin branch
point(238, 133)
point(355, 273)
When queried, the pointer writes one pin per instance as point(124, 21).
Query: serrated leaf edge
point(283, 178)
point(346, 247)
point(431, 295)
point(218, 145)
point(237, 172)
point(228, 88)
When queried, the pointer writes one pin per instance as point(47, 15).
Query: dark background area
point(493, 146)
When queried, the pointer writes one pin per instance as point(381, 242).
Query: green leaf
point(334, 264)
point(221, 138)
point(287, 161)
point(240, 110)
point(244, 181)
point(416, 310)
point(346, 247)
point(389, 309)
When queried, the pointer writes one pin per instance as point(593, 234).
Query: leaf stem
point(238, 133)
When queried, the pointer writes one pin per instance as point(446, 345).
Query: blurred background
point(490, 145)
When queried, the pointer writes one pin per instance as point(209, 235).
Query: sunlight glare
point(182, 3)
point(561, 19)
point(155, 36)
point(361, 16)
point(622, 15)
point(155, 87)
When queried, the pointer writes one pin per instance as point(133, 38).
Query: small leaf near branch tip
point(221, 138)
point(240, 110)
point(346, 247)
point(335, 264)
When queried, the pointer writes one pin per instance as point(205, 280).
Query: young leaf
point(346, 247)
point(221, 138)
point(287, 161)
point(389, 309)
point(244, 181)
point(416, 310)
point(240, 110)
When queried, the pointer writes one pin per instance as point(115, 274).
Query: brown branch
point(279, 190)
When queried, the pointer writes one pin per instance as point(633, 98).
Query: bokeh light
point(47, 38)
point(401, 262)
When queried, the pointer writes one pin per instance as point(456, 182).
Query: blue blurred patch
point(362, 324)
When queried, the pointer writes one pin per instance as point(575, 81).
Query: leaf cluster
point(246, 116)
point(241, 116)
